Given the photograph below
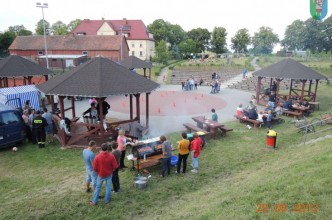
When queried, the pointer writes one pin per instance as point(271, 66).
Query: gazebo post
point(290, 88)
point(271, 83)
point(5, 81)
point(138, 114)
point(101, 116)
point(316, 87)
point(309, 90)
point(258, 89)
point(144, 69)
point(147, 110)
point(149, 73)
point(29, 80)
point(0, 82)
point(131, 106)
point(302, 90)
point(277, 91)
point(46, 77)
point(62, 108)
point(72, 101)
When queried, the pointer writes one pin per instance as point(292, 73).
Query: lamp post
point(121, 29)
point(42, 6)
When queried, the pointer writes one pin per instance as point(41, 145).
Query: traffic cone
point(174, 104)
point(123, 104)
point(158, 110)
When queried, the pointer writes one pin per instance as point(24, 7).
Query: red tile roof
point(138, 30)
point(67, 42)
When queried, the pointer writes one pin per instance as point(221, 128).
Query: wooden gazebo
point(98, 78)
point(133, 62)
point(293, 70)
point(15, 67)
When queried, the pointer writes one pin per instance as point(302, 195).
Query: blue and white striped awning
point(28, 92)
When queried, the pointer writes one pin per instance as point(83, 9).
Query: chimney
point(102, 19)
point(124, 21)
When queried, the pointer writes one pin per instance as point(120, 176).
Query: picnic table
point(211, 125)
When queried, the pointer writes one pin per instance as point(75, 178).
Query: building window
point(140, 45)
point(132, 45)
point(133, 53)
point(40, 52)
point(85, 52)
point(141, 53)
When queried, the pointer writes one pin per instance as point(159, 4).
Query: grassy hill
point(239, 176)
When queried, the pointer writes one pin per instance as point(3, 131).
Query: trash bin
point(271, 138)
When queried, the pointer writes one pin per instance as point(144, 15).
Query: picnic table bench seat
point(191, 127)
point(255, 123)
point(224, 130)
point(295, 114)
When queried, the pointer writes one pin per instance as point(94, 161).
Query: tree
point(202, 38)
point(19, 30)
point(163, 30)
point(40, 28)
point(159, 29)
point(59, 28)
point(73, 24)
point(327, 34)
point(264, 40)
point(187, 47)
point(313, 38)
point(240, 41)
point(162, 54)
point(6, 40)
point(218, 41)
point(293, 39)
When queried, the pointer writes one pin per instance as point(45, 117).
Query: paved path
point(225, 103)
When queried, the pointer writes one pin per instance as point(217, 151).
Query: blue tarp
point(28, 92)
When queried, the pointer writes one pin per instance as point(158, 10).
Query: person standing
point(105, 107)
point(88, 157)
point(49, 128)
point(121, 140)
point(115, 176)
point(55, 102)
point(184, 148)
point(214, 115)
point(38, 127)
point(167, 154)
point(196, 148)
point(104, 164)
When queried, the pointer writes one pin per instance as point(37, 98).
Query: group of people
point(189, 84)
point(38, 124)
point(105, 166)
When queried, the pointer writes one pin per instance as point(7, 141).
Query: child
point(115, 176)
point(239, 111)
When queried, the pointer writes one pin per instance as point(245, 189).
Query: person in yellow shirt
point(184, 148)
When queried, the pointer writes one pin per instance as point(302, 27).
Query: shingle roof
point(67, 42)
point(14, 65)
point(99, 77)
point(289, 69)
point(138, 30)
point(133, 62)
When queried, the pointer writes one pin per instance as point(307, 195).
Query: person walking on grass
point(196, 148)
point(115, 176)
point(88, 157)
point(167, 154)
point(49, 128)
point(104, 165)
point(184, 148)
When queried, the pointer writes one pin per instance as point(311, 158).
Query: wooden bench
point(295, 114)
point(255, 123)
point(224, 130)
point(190, 128)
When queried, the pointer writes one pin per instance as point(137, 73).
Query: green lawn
point(239, 177)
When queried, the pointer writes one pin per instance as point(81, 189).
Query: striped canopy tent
point(133, 62)
point(99, 78)
point(293, 70)
point(16, 67)
point(17, 96)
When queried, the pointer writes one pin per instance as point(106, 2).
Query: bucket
point(141, 184)
point(86, 119)
point(174, 160)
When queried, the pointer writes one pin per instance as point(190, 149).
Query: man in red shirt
point(196, 148)
point(104, 164)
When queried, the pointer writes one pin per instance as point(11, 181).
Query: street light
point(121, 29)
point(42, 6)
